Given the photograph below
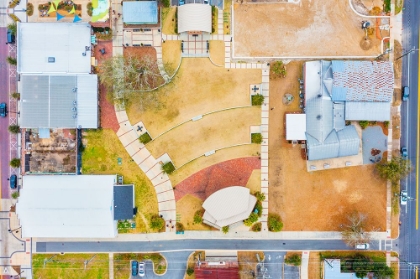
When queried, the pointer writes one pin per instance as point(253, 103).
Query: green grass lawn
point(122, 263)
point(69, 266)
point(101, 155)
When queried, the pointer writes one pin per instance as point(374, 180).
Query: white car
point(404, 197)
point(363, 246)
point(142, 269)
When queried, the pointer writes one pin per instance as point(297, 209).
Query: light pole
point(408, 52)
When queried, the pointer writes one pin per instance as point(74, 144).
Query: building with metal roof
point(340, 91)
point(332, 270)
point(140, 12)
point(194, 18)
point(296, 126)
point(76, 206)
point(55, 81)
point(228, 206)
point(59, 101)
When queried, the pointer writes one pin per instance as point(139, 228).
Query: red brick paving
point(202, 184)
point(108, 117)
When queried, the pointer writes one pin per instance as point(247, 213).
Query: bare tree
point(128, 76)
point(354, 232)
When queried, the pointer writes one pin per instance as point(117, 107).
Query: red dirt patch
point(202, 184)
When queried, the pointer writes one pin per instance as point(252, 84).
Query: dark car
point(404, 152)
point(3, 110)
point(10, 37)
point(134, 268)
point(13, 181)
point(405, 93)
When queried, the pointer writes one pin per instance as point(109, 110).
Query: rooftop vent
point(318, 117)
point(319, 95)
point(51, 59)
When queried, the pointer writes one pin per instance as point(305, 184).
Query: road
point(409, 246)
point(4, 122)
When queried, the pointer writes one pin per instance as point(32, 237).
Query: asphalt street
point(409, 239)
point(4, 122)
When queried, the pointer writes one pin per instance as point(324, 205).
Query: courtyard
point(312, 28)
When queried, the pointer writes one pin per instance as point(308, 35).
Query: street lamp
point(408, 52)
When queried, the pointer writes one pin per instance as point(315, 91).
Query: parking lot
point(273, 267)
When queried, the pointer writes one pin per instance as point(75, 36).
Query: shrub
point(278, 69)
point(14, 18)
point(386, 124)
point(12, 27)
point(15, 195)
point(190, 271)
point(363, 124)
point(179, 227)
point(168, 168)
point(145, 138)
point(15, 163)
point(29, 9)
point(373, 123)
point(157, 222)
point(14, 3)
point(257, 99)
point(260, 196)
point(15, 95)
point(198, 216)
point(89, 9)
point(225, 229)
point(274, 223)
point(256, 138)
point(387, 6)
point(166, 3)
point(253, 217)
point(14, 129)
point(11, 60)
point(294, 259)
point(256, 227)
point(259, 208)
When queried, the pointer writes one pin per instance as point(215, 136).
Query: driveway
point(374, 144)
point(273, 267)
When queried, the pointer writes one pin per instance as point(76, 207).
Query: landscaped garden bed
point(122, 263)
point(64, 8)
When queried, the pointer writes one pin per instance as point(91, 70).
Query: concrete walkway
point(304, 265)
point(111, 265)
point(219, 21)
point(265, 111)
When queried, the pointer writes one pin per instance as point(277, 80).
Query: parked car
point(10, 37)
point(404, 197)
point(181, 2)
point(142, 269)
point(363, 246)
point(405, 93)
point(404, 152)
point(206, 2)
point(13, 181)
point(134, 268)
point(3, 110)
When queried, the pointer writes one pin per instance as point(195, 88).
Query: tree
point(274, 223)
point(354, 232)
point(15, 163)
point(11, 60)
point(15, 95)
point(14, 129)
point(225, 229)
point(157, 222)
point(253, 217)
point(395, 170)
point(260, 196)
point(126, 76)
point(278, 69)
point(294, 259)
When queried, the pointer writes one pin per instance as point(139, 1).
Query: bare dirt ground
point(186, 208)
point(314, 266)
point(217, 52)
point(171, 56)
point(313, 28)
point(316, 201)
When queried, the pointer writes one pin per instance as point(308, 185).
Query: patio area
point(374, 144)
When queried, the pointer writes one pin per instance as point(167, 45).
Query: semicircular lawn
point(213, 131)
point(198, 88)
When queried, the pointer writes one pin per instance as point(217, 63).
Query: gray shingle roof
point(123, 202)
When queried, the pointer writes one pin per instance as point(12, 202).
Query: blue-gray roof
point(140, 12)
point(319, 117)
point(349, 141)
point(123, 202)
point(370, 111)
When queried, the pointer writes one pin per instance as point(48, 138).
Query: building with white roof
point(57, 89)
point(228, 206)
point(76, 206)
point(194, 18)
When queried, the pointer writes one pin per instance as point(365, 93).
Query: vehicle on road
point(134, 268)
point(404, 152)
point(404, 197)
point(363, 246)
point(3, 110)
point(405, 93)
point(142, 269)
point(10, 37)
point(181, 2)
point(206, 2)
point(13, 181)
